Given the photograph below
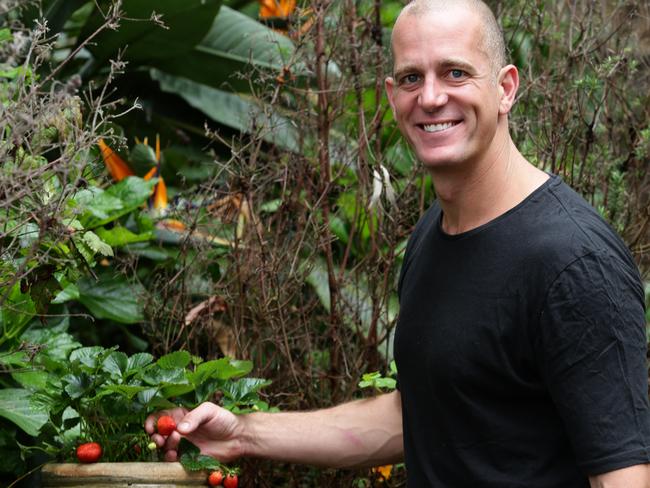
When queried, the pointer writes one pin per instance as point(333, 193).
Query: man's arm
point(361, 433)
point(632, 477)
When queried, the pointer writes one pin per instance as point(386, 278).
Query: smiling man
point(520, 343)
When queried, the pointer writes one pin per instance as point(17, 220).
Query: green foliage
point(379, 382)
point(71, 394)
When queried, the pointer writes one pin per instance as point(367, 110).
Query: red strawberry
point(166, 425)
point(90, 452)
point(230, 481)
point(215, 478)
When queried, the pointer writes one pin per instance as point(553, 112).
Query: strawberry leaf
point(193, 460)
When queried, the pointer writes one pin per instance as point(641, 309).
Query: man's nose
point(432, 95)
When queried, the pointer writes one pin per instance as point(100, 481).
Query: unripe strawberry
point(90, 452)
point(165, 425)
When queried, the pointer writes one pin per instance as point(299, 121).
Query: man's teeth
point(437, 127)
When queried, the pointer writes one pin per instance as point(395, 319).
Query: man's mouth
point(438, 127)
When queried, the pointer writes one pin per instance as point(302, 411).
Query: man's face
point(443, 91)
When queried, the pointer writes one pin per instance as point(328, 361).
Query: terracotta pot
point(113, 475)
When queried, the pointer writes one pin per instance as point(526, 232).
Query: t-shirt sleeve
point(591, 351)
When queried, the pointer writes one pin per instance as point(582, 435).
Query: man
point(520, 344)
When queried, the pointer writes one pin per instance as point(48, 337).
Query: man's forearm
point(362, 433)
point(632, 477)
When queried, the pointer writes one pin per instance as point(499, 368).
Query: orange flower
point(383, 472)
point(160, 195)
point(119, 170)
point(276, 8)
point(115, 164)
point(159, 199)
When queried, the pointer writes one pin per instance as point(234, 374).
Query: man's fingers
point(171, 456)
point(200, 415)
point(172, 442)
point(158, 439)
point(150, 424)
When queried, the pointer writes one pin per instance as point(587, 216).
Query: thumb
point(193, 419)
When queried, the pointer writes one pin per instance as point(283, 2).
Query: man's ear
point(389, 84)
point(508, 82)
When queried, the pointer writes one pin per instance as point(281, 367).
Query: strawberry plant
point(72, 394)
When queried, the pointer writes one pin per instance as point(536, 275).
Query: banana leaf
point(185, 22)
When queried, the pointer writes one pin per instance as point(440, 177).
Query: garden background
point(209, 200)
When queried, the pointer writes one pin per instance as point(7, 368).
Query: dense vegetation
point(212, 179)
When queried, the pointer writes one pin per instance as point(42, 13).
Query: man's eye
point(412, 78)
point(457, 73)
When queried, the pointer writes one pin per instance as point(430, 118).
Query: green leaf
point(70, 292)
point(116, 364)
point(15, 406)
point(232, 110)
point(120, 236)
point(117, 200)
point(271, 206)
point(393, 367)
point(16, 312)
point(88, 356)
point(176, 359)
point(169, 391)
point(126, 391)
point(132, 191)
point(234, 44)
point(138, 361)
point(76, 385)
point(186, 23)
point(388, 383)
point(31, 380)
point(338, 227)
point(14, 358)
point(245, 389)
point(221, 369)
point(5, 35)
point(147, 395)
point(98, 203)
point(157, 376)
point(193, 460)
point(143, 157)
point(112, 298)
point(59, 344)
point(155, 253)
point(95, 243)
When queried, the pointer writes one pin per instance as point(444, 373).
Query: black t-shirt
point(520, 349)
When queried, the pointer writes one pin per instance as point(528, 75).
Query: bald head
point(493, 43)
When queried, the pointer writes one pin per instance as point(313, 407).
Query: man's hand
point(214, 430)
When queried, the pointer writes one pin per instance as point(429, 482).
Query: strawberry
point(215, 478)
point(166, 425)
point(230, 481)
point(90, 452)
